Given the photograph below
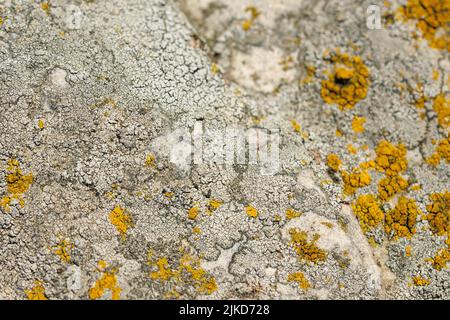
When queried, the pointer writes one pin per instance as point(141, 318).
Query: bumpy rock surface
point(100, 198)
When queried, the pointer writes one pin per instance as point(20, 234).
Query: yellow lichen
point(390, 159)
point(187, 265)
point(439, 213)
point(401, 220)
point(307, 250)
point(356, 179)
point(390, 186)
point(62, 249)
point(46, 6)
point(408, 251)
point(351, 149)
point(251, 211)
point(441, 105)
point(150, 160)
point(246, 25)
point(197, 230)
point(310, 72)
point(348, 83)
point(420, 282)
point(291, 214)
point(368, 212)
point(441, 258)
point(193, 213)
point(358, 124)
point(163, 272)
point(213, 205)
point(215, 68)
point(442, 152)
point(37, 292)
point(121, 220)
point(17, 184)
point(333, 162)
point(107, 281)
point(431, 17)
point(299, 277)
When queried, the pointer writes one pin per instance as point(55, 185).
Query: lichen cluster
point(348, 83)
point(121, 220)
point(300, 278)
point(17, 184)
point(185, 272)
point(439, 213)
point(401, 220)
point(442, 152)
point(37, 292)
point(368, 212)
point(62, 250)
point(432, 18)
point(305, 249)
point(107, 282)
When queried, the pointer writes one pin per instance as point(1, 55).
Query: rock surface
point(103, 192)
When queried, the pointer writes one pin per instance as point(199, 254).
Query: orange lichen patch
point(435, 75)
point(150, 160)
point(41, 124)
point(390, 186)
point(37, 292)
point(291, 214)
point(298, 128)
point(356, 179)
point(246, 25)
point(163, 272)
point(213, 205)
point(442, 152)
point(187, 265)
point(204, 283)
point(46, 7)
point(299, 277)
point(307, 250)
point(197, 230)
point(348, 83)
point(215, 68)
point(420, 282)
point(351, 149)
point(408, 251)
point(62, 249)
point(121, 220)
point(358, 124)
point(251, 211)
point(442, 257)
point(193, 213)
point(368, 212)
point(439, 213)
point(390, 159)
point(17, 184)
point(333, 162)
point(441, 105)
point(310, 72)
point(108, 281)
point(168, 194)
point(339, 133)
point(432, 19)
point(401, 220)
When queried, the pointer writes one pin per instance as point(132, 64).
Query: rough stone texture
point(113, 80)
